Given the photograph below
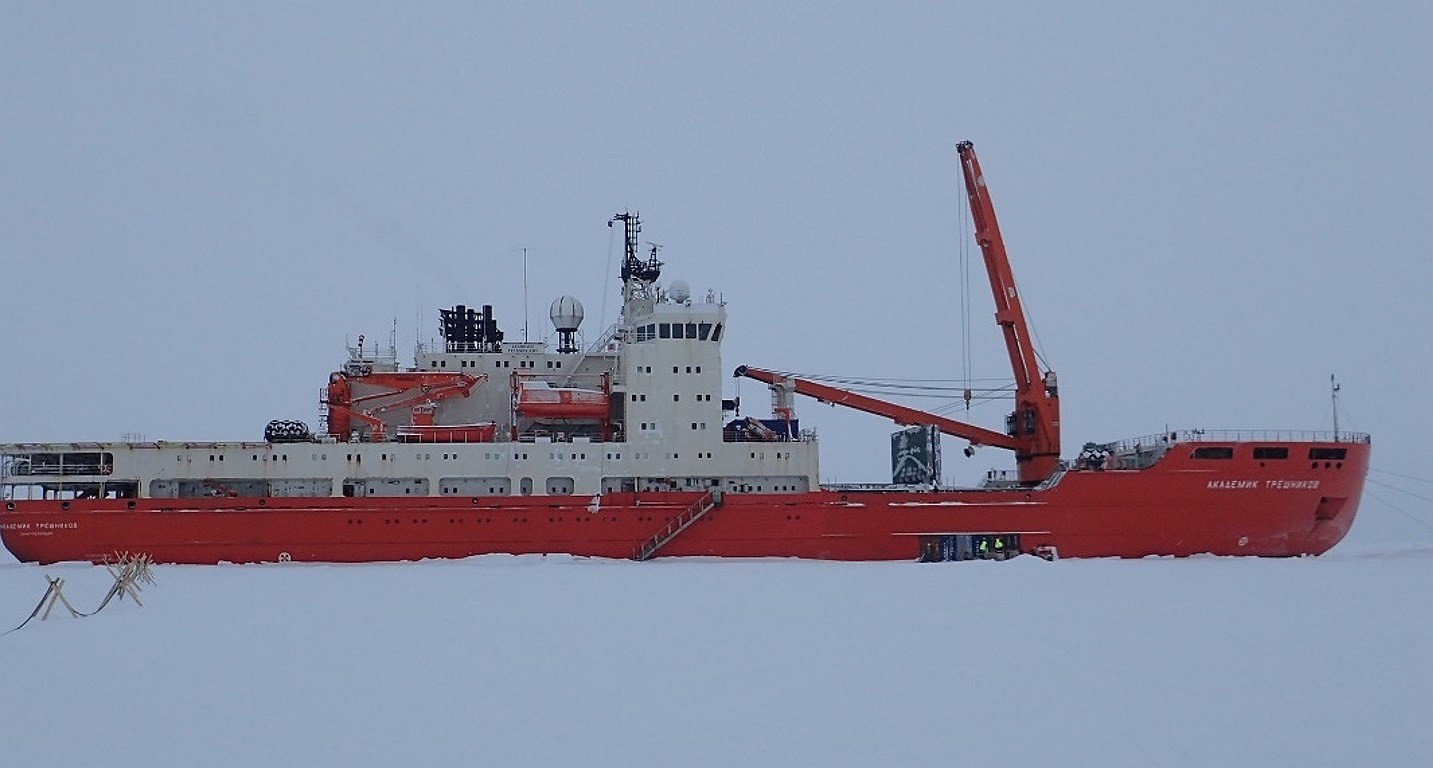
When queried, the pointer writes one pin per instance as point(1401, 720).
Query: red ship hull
point(1178, 506)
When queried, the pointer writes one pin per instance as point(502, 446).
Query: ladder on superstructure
point(709, 501)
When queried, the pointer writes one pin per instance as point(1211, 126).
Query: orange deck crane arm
point(1035, 423)
point(900, 414)
point(1033, 429)
point(424, 388)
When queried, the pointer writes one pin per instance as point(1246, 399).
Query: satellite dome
point(680, 291)
point(566, 313)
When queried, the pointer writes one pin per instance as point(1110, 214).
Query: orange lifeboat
point(539, 400)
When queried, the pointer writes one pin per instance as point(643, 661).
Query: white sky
point(1210, 208)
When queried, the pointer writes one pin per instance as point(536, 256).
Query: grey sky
point(1210, 207)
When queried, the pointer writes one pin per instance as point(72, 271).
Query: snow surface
point(557, 660)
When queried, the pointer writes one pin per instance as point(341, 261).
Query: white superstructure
point(640, 410)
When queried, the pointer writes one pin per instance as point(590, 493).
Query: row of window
point(694, 331)
point(551, 364)
point(1274, 452)
point(675, 369)
point(487, 456)
point(640, 397)
point(79, 463)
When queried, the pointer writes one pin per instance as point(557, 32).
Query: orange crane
point(1032, 431)
point(900, 414)
point(428, 389)
point(1035, 422)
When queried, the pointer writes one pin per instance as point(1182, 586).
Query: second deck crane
point(1032, 430)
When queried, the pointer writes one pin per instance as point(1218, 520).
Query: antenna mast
point(638, 277)
point(1333, 396)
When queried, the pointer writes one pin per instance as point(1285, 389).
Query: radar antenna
point(632, 265)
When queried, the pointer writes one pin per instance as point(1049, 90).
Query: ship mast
point(1333, 396)
point(1035, 422)
point(638, 277)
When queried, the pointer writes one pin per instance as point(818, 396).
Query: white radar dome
point(680, 291)
point(566, 313)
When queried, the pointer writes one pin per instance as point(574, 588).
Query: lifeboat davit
point(483, 432)
point(539, 400)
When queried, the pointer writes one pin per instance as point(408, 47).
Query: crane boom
point(1035, 423)
point(1032, 431)
point(900, 414)
point(419, 388)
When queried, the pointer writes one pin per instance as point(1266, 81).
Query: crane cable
point(964, 267)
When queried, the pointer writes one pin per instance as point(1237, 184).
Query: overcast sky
point(1210, 207)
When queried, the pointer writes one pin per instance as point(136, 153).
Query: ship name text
point(1276, 485)
point(38, 526)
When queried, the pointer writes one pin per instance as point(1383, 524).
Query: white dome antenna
point(566, 314)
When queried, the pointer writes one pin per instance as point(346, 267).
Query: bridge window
point(664, 330)
point(1328, 454)
point(1270, 452)
point(1214, 452)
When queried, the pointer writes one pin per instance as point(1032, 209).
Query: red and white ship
point(628, 449)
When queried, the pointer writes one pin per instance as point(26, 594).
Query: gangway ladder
point(709, 501)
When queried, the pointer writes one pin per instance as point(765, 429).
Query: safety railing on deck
point(1236, 436)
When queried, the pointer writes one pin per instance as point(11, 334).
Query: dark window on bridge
point(704, 331)
point(1214, 452)
point(1270, 452)
point(664, 330)
point(1323, 454)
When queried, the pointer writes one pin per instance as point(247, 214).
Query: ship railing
point(993, 480)
point(601, 345)
point(1166, 439)
point(1007, 479)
